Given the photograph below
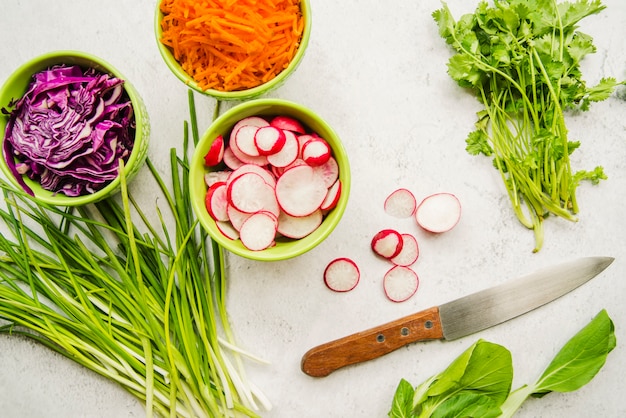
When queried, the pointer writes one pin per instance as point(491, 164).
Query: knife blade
point(459, 318)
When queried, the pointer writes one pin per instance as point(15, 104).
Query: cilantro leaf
point(602, 90)
point(478, 143)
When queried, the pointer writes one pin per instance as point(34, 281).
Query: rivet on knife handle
point(367, 345)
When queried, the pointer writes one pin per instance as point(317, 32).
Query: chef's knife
point(456, 319)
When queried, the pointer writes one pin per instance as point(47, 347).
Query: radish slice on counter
point(341, 275)
point(438, 213)
point(387, 243)
point(216, 152)
point(258, 231)
point(400, 283)
point(400, 203)
point(409, 253)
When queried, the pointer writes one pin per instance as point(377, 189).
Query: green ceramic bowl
point(284, 249)
point(16, 86)
point(262, 89)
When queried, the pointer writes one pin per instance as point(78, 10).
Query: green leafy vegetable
point(478, 383)
point(402, 405)
point(574, 366)
point(522, 60)
point(479, 379)
point(142, 307)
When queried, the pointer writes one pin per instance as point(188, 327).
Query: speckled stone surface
point(375, 70)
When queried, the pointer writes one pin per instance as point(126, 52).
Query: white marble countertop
point(375, 70)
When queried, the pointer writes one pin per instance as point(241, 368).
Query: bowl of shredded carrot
point(204, 176)
point(233, 50)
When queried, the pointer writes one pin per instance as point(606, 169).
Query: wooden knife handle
point(367, 345)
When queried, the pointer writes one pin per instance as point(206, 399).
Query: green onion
point(140, 304)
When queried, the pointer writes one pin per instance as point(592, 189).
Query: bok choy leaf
point(478, 383)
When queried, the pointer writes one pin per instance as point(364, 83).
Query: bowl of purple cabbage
point(69, 122)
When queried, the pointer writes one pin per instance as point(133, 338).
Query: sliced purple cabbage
point(69, 131)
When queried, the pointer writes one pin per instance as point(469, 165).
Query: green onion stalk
point(140, 304)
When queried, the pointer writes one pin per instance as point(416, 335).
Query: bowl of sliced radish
point(270, 179)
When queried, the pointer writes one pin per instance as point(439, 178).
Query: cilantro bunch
point(522, 60)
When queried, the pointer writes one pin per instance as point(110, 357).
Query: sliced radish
point(266, 174)
point(400, 283)
point(341, 275)
point(409, 253)
point(212, 177)
point(258, 231)
point(300, 191)
point(236, 217)
point(231, 160)
point(295, 163)
point(297, 227)
point(328, 171)
point(287, 154)
point(287, 123)
point(245, 140)
point(303, 139)
point(250, 193)
point(248, 121)
point(245, 157)
point(276, 171)
point(332, 196)
point(216, 152)
point(316, 151)
point(269, 140)
point(227, 229)
point(438, 213)
point(400, 203)
point(272, 207)
point(387, 243)
point(216, 201)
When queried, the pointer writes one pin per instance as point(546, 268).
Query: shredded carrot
point(231, 45)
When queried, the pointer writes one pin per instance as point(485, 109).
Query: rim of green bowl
point(270, 85)
point(221, 125)
point(22, 75)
